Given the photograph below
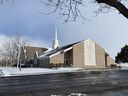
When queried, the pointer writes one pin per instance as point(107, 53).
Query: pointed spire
point(55, 41)
point(56, 33)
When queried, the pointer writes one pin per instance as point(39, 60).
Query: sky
point(109, 30)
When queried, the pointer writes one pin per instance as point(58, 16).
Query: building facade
point(29, 55)
point(83, 54)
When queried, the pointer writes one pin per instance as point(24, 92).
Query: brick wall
point(100, 57)
point(59, 58)
point(110, 61)
point(78, 55)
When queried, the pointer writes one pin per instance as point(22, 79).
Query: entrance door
point(68, 62)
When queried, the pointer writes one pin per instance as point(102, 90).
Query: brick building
point(29, 55)
point(83, 54)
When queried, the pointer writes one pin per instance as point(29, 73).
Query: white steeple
point(55, 41)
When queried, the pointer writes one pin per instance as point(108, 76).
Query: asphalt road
point(95, 83)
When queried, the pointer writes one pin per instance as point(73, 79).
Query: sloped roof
point(59, 49)
point(30, 51)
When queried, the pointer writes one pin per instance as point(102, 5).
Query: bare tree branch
point(69, 9)
point(4, 1)
point(116, 4)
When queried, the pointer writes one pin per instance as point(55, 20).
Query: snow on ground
point(123, 65)
point(9, 71)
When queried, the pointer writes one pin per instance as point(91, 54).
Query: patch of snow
point(49, 49)
point(9, 71)
point(73, 94)
point(123, 65)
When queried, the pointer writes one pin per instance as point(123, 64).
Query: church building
point(82, 54)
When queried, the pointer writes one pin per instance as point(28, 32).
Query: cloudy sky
point(109, 30)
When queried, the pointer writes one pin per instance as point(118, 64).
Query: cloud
point(108, 30)
point(3, 38)
point(40, 43)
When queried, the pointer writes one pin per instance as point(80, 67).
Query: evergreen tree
point(122, 56)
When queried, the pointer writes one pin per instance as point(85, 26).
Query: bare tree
point(70, 9)
point(10, 48)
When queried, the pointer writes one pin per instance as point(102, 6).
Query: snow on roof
point(59, 49)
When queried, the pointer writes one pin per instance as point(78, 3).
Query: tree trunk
point(116, 4)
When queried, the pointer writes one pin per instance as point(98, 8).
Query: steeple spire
point(56, 33)
point(55, 41)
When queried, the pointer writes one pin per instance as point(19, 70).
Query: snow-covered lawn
point(123, 65)
point(9, 71)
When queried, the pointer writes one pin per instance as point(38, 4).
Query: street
point(94, 83)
